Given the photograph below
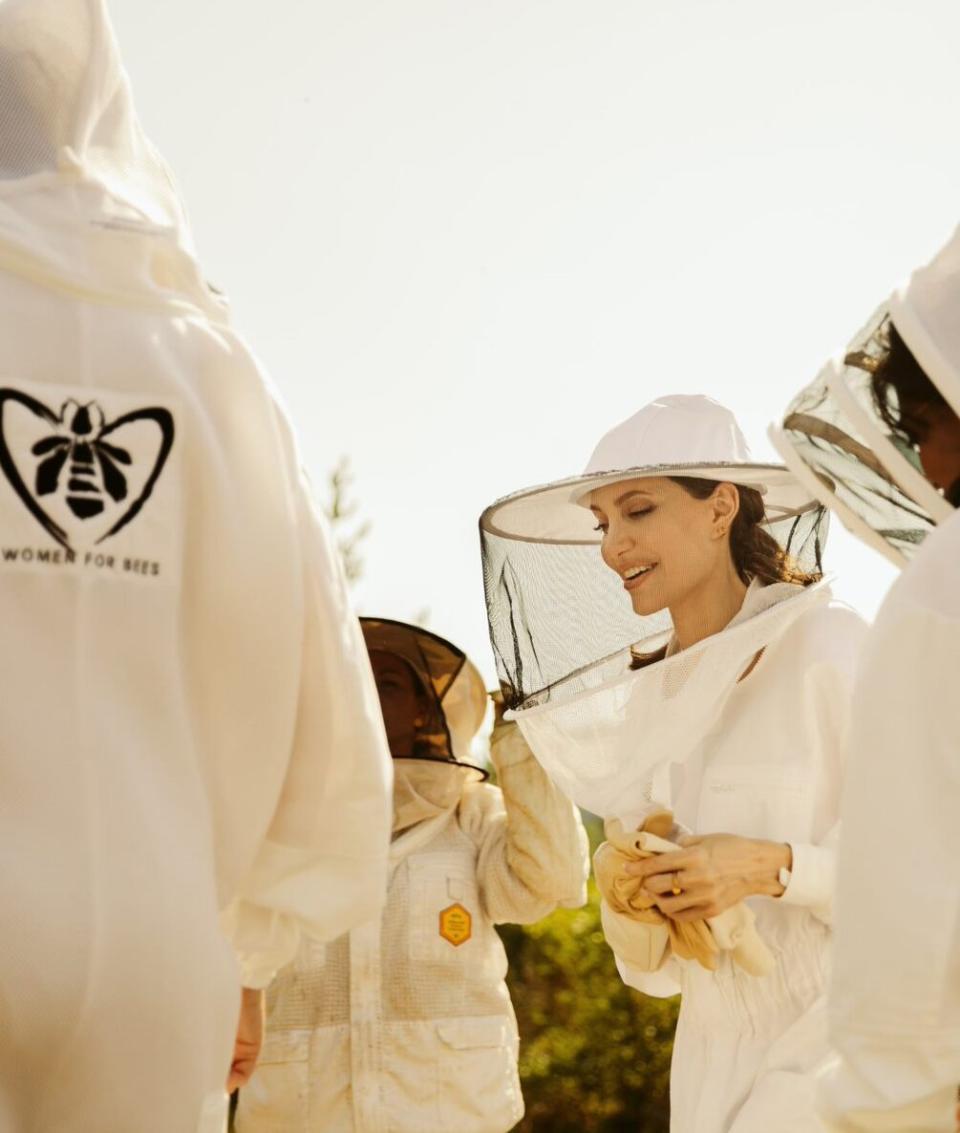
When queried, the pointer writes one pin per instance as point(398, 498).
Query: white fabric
point(677, 429)
point(465, 708)
point(589, 742)
point(924, 311)
point(769, 765)
point(895, 997)
point(189, 718)
point(394, 1029)
point(423, 789)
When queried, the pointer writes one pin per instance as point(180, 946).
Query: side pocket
point(277, 1096)
point(479, 1066)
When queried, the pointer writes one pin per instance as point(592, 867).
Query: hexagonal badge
point(456, 925)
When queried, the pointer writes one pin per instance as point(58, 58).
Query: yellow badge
point(456, 925)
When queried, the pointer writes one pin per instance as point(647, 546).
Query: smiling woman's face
point(664, 543)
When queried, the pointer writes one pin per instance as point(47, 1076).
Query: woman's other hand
point(249, 1039)
point(713, 873)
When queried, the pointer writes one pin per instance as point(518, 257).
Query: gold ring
point(675, 888)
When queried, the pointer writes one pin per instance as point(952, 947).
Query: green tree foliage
point(594, 1054)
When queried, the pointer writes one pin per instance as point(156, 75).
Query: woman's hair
point(756, 554)
point(900, 373)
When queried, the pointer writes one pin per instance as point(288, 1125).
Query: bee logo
point(81, 471)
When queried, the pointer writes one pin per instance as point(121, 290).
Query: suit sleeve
point(895, 1000)
point(533, 852)
point(322, 868)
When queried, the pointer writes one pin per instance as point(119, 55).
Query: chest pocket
point(446, 923)
point(756, 801)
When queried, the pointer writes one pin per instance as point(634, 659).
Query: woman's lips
point(639, 580)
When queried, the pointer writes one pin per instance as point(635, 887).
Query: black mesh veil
point(834, 438)
point(451, 690)
point(559, 619)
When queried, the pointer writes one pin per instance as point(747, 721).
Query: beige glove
point(690, 940)
point(733, 931)
point(641, 944)
point(635, 928)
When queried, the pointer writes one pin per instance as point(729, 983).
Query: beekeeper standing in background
point(877, 436)
point(179, 662)
point(405, 1024)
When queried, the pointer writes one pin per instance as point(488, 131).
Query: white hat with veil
point(565, 635)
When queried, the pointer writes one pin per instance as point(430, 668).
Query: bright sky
point(467, 238)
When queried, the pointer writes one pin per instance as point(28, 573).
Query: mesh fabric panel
point(314, 990)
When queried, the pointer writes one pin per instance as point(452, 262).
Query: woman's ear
point(725, 504)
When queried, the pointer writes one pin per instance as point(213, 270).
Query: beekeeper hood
point(835, 437)
point(86, 203)
point(564, 632)
point(450, 690)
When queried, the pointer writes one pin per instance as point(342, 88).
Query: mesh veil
point(559, 619)
point(451, 690)
point(604, 743)
point(835, 439)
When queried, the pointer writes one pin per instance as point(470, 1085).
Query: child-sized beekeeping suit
point(168, 594)
point(405, 1025)
point(741, 733)
point(895, 997)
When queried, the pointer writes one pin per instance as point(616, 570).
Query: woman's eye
point(601, 527)
point(638, 514)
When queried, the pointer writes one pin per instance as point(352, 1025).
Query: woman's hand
point(713, 872)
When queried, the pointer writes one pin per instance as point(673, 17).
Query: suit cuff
point(811, 880)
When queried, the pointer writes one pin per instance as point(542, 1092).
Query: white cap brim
point(559, 513)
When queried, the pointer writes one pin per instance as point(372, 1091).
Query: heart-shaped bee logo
point(81, 476)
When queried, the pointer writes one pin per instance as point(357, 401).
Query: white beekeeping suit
point(895, 997)
point(405, 1024)
point(189, 725)
point(741, 733)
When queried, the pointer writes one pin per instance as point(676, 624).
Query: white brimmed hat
point(678, 435)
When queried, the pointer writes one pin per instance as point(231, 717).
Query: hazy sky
point(467, 238)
